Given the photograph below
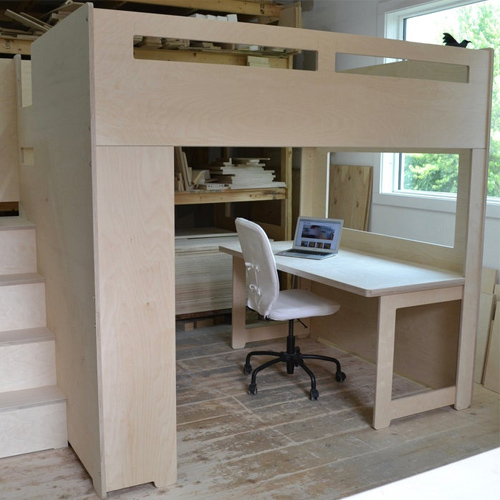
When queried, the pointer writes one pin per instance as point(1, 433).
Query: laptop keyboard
point(306, 252)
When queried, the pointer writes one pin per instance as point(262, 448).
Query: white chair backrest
point(262, 276)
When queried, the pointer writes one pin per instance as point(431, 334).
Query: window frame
point(390, 24)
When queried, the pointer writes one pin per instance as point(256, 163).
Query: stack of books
point(244, 173)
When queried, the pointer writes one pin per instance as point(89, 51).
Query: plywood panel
point(426, 336)
point(491, 379)
point(350, 195)
point(203, 279)
point(135, 278)
point(9, 162)
point(319, 108)
point(57, 197)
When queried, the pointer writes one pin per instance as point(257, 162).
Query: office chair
point(265, 297)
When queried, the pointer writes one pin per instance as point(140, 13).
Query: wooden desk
point(396, 284)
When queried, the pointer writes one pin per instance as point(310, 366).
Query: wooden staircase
point(32, 407)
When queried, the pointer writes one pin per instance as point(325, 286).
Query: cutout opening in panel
point(215, 52)
point(401, 68)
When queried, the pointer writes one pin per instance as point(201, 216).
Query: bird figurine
point(451, 42)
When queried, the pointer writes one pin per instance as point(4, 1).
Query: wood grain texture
point(135, 276)
point(343, 109)
point(203, 275)
point(350, 195)
point(19, 244)
point(9, 172)
point(27, 365)
point(33, 429)
point(23, 306)
point(57, 197)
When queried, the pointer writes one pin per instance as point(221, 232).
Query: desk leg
point(385, 363)
point(385, 408)
point(239, 337)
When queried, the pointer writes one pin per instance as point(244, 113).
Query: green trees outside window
point(479, 23)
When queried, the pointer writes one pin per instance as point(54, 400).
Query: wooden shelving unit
point(229, 196)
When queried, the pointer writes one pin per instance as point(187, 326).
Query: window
point(479, 22)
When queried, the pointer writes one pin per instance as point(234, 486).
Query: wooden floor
point(277, 444)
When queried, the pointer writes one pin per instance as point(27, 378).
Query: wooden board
point(203, 275)
point(343, 110)
point(9, 170)
point(350, 195)
point(135, 274)
point(57, 197)
point(491, 379)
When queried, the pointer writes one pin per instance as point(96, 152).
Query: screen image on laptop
point(315, 238)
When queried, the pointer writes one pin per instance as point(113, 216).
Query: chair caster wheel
point(314, 394)
point(340, 376)
point(252, 389)
point(247, 368)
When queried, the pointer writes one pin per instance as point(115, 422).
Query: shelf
point(230, 195)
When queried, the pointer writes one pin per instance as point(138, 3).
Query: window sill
point(429, 202)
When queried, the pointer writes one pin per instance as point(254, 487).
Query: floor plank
point(277, 444)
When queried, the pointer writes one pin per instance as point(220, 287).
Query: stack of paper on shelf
point(244, 173)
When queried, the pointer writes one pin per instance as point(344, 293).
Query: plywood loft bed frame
point(103, 126)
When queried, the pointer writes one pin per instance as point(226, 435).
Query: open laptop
point(315, 238)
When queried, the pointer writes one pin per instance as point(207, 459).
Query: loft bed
point(103, 126)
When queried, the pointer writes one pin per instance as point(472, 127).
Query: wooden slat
point(230, 195)
point(263, 8)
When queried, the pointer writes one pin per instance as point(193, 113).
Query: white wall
point(434, 223)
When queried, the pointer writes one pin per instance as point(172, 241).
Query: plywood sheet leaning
point(486, 312)
point(350, 195)
point(491, 379)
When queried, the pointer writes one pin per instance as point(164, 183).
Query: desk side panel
point(426, 336)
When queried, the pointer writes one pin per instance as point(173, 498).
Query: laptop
point(315, 238)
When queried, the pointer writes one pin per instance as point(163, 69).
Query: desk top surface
point(361, 273)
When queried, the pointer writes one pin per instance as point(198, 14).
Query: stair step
point(22, 301)
point(32, 420)
point(26, 336)
point(20, 279)
point(17, 222)
point(17, 246)
point(27, 359)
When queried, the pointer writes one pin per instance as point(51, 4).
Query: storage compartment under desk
point(203, 275)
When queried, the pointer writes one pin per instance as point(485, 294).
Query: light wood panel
point(18, 242)
point(342, 110)
point(23, 304)
point(135, 278)
point(33, 428)
point(350, 195)
point(9, 173)
point(491, 378)
point(27, 365)
point(202, 275)
point(57, 197)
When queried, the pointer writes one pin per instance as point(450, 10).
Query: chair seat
point(296, 304)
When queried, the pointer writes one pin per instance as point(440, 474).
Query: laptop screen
point(322, 235)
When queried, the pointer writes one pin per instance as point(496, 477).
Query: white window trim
point(390, 14)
